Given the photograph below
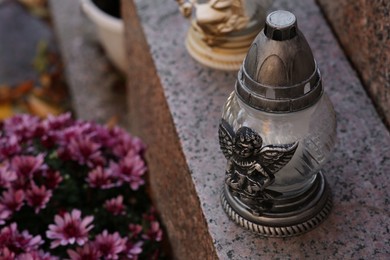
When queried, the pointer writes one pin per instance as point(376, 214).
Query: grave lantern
point(277, 131)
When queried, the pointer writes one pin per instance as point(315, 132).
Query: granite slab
point(358, 173)
point(363, 29)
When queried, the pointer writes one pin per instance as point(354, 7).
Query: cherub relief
point(216, 17)
point(252, 166)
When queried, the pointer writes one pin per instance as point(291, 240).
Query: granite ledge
point(359, 225)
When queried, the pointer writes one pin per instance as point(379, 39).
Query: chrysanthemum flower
point(87, 252)
point(134, 250)
point(12, 199)
point(52, 163)
point(22, 125)
point(9, 146)
point(150, 216)
point(18, 242)
point(115, 205)
point(85, 152)
point(53, 123)
point(5, 213)
point(38, 197)
point(100, 178)
point(134, 230)
point(130, 170)
point(69, 229)
point(52, 178)
point(154, 233)
point(122, 142)
point(50, 129)
point(110, 245)
point(74, 131)
point(6, 254)
point(25, 166)
point(36, 255)
point(6, 176)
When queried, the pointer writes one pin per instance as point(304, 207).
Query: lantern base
point(225, 52)
point(288, 217)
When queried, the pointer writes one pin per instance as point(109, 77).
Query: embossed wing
point(275, 157)
point(226, 138)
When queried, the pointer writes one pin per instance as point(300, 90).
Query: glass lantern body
point(314, 128)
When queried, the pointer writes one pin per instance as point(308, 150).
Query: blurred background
point(51, 62)
point(54, 59)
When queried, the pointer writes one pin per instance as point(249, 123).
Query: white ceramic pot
point(110, 31)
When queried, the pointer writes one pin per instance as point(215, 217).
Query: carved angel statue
point(252, 166)
point(216, 16)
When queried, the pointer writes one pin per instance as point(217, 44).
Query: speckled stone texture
point(363, 28)
point(357, 228)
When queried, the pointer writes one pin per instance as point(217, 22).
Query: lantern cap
point(280, 26)
point(279, 73)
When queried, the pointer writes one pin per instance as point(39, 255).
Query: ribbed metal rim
point(284, 99)
point(320, 206)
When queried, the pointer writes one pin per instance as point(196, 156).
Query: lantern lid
point(279, 73)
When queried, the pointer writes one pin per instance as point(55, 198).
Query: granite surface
point(363, 28)
point(96, 88)
point(169, 179)
point(359, 225)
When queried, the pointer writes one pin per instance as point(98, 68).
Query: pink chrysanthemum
point(52, 178)
point(134, 250)
point(134, 230)
point(85, 152)
point(36, 255)
point(18, 242)
point(154, 233)
point(12, 199)
point(25, 166)
point(5, 213)
point(131, 170)
point(150, 216)
point(115, 205)
point(9, 146)
point(87, 252)
point(100, 178)
point(51, 128)
point(6, 254)
point(69, 229)
point(36, 155)
point(38, 197)
point(6, 177)
point(121, 143)
point(76, 130)
point(110, 245)
point(52, 123)
point(22, 125)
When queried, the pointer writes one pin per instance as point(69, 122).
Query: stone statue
point(227, 26)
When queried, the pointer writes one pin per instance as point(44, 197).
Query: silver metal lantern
point(277, 130)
